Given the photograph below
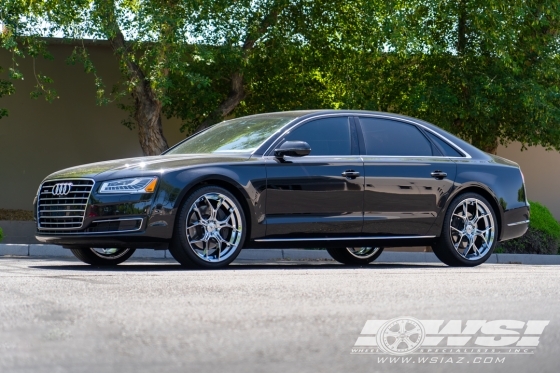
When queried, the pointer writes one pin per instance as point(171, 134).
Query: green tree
point(149, 38)
point(486, 70)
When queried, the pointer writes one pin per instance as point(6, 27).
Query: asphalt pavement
point(59, 315)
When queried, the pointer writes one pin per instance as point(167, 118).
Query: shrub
point(542, 237)
point(1, 234)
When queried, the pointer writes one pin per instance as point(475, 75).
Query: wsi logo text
point(406, 335)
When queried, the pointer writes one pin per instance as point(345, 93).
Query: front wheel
point(355, 255)
point(469, 233)
point(210, 229)
point(102, 256)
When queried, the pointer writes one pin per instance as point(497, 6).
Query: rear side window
point(393, 138)
point(443, 146)
point(328, 136)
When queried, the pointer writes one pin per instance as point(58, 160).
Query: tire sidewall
point(181, 235)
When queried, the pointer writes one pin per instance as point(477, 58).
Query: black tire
point(444, 247)
point(189, 255)
point(90, 256)
point(345, 256)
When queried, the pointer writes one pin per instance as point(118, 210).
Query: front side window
point(393, 138)
point(241, 135)
point(327, 136)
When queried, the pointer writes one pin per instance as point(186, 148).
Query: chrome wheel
point(363, 252)
point(214, 227)
point(109, 253)
point(472, 229)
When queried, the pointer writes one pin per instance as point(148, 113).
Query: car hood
point(143, 165)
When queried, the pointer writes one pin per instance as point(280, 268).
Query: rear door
point(407, 178)
point(310, 196)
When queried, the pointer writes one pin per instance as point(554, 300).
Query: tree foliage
point(488, 71)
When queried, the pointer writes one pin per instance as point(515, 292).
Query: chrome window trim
point(340, 238)
point(86, 204)
point(518, 223)
point(456, 147)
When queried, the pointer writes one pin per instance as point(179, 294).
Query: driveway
point(58, 315)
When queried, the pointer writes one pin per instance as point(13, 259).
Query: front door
point(407, 179)
point(319, 195)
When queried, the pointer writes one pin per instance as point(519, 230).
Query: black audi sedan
point(352, 182)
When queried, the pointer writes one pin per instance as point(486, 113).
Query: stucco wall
point(39, 137)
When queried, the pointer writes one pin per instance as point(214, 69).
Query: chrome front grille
point(63, 212)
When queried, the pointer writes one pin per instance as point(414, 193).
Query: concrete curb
point(37, 250)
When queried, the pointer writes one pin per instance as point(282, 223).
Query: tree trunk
point(147, 107)
point(147, 113)
point(236, 95)
point(237, 92)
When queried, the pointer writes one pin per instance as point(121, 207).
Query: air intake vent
point(62, 204)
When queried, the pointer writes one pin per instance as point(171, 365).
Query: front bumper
point(115, 220)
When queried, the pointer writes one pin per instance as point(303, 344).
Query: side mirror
point(292, 149)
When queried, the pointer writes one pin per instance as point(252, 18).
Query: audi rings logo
point(401, 336)
point(62, 189)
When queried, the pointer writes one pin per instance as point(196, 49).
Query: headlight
point(135, 185)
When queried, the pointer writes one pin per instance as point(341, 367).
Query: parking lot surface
point(255, 316)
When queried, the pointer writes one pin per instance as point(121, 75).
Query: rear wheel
point(102, 256)
point(210, 229)
point(469, 233)
point(355, 255)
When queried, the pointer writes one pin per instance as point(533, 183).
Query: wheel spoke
point(220, 202)
point(458, 230)
point(209, 242)
point(197, 241)
point(468, 249)
point(212, 211)
point(482, 217)
point(196, 225)
point(475, 249)
point(466, 241)
point(395, 344)
point(416, 330)
point(231, 227)
point(195, 208)
point(224, 222)
point(402, 326)
point(408, 342)
point(391, 333)
point(459, 242)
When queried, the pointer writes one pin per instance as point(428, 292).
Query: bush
point(542, 237)
point(1, 234)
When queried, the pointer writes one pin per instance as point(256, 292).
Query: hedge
point(542, 237)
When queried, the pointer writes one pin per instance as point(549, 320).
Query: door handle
point(350, 174)
point(439, 174)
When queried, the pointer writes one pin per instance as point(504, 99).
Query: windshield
point(243, 135)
